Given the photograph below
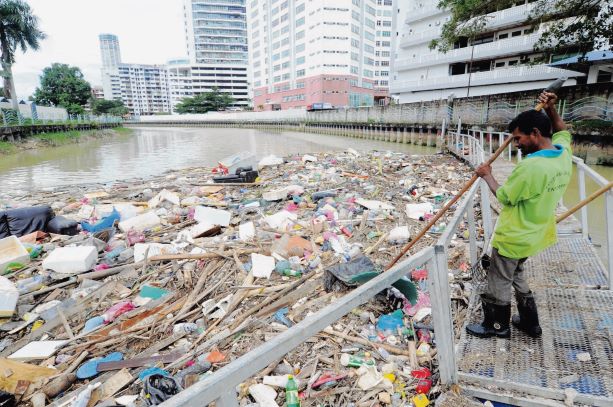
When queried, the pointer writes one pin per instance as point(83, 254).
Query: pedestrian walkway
point(575, 352)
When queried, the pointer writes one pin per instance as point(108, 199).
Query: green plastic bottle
point(291, 393)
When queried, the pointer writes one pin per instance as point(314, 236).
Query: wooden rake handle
point(449, 204)
point(586, 201)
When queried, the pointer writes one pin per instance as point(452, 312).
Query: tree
point(112, 107)
point(63, 85)
point(205, 102)
point(18, 28)
point(575, 25)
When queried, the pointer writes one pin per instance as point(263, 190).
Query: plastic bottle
point(356, 361)
point(291, 392)
point(30, 284)
point(291, 273)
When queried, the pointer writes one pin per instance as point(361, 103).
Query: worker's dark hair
point(530, 119)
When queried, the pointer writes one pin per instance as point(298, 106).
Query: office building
point(216, 37)
point(501, 59)
point(311, 52)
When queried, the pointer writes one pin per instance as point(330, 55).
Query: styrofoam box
point(8, 298)
point(71, 260)
point(140, 222)
point(12, 251)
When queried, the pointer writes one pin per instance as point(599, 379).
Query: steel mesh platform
point(574, 321)
point(572, 262)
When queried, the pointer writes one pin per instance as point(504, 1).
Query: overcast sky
point(149, 31)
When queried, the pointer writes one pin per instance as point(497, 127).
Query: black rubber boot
point(528, 318)
point(496, 320)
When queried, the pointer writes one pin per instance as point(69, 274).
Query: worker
point(527, 221)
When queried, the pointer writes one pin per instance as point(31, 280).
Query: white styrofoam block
point(8, 297)
point(154, 249)
point(12, 251)
point(262, 266)
point(212, 216)
point(37, 350)
point(140, 222)
point(416, 211)
point(71, 260)
point(246, 231)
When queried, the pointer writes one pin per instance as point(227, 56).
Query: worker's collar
point(548, 153)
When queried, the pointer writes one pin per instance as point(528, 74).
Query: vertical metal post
point(472, 230)
point(441, 315)
point(486, 211)
point(581, 176)
point(609, 224)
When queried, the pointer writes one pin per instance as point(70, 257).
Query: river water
point(152, 151)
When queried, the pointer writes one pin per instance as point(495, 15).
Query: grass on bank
point(6, 147)
point(59, 138)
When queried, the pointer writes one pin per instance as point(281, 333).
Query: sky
point(149, 31)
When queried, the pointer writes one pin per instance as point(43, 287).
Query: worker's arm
point(485, 171)
point(550, 99)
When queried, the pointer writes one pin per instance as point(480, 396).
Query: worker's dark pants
point(503, 274)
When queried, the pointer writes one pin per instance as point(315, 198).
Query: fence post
point(472, 230)
point(609, 225)
point(581, 178)
point(441, 315)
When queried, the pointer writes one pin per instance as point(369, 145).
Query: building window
point(300, 73)
point(300, 22)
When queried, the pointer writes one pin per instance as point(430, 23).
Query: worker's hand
point(549, 99)
point(484, 170)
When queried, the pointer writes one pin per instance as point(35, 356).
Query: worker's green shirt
point(529, 198)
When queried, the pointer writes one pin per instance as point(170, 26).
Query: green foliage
point(63, 85)
point(18, 29)
point(575, 25)
point(205, 102)
point(111, 107)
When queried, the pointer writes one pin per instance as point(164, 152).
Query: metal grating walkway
point(572, 262)
point(575, 321)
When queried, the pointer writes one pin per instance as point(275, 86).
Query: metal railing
point(221, 386)
point(12, 118)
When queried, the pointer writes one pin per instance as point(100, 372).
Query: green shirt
point(529, 198)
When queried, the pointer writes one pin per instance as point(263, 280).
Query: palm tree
point(18, 28)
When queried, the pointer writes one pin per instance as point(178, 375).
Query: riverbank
point(61, 138)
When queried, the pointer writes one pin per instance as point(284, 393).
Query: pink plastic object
point(116, 310)
point(135, 237)
point(423, 300)
point(101, 266)
point(419, 274)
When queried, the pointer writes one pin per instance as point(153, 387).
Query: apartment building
point(188, 80)
point(501, 59)
point(383, 48)
point(305, 52)
point(143, 89)
point(216, 37)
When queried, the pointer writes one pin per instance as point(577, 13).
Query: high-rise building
point(97, 92)
point(143, 89)
point(111, 58)
point(383, 42)
point(216, 36)
point(305, 52)
point(110, 51)
point(500, 59)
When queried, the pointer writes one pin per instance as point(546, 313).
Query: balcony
point(494, 77)
point(421, 13)
point(420, 37)
point(496, 49)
